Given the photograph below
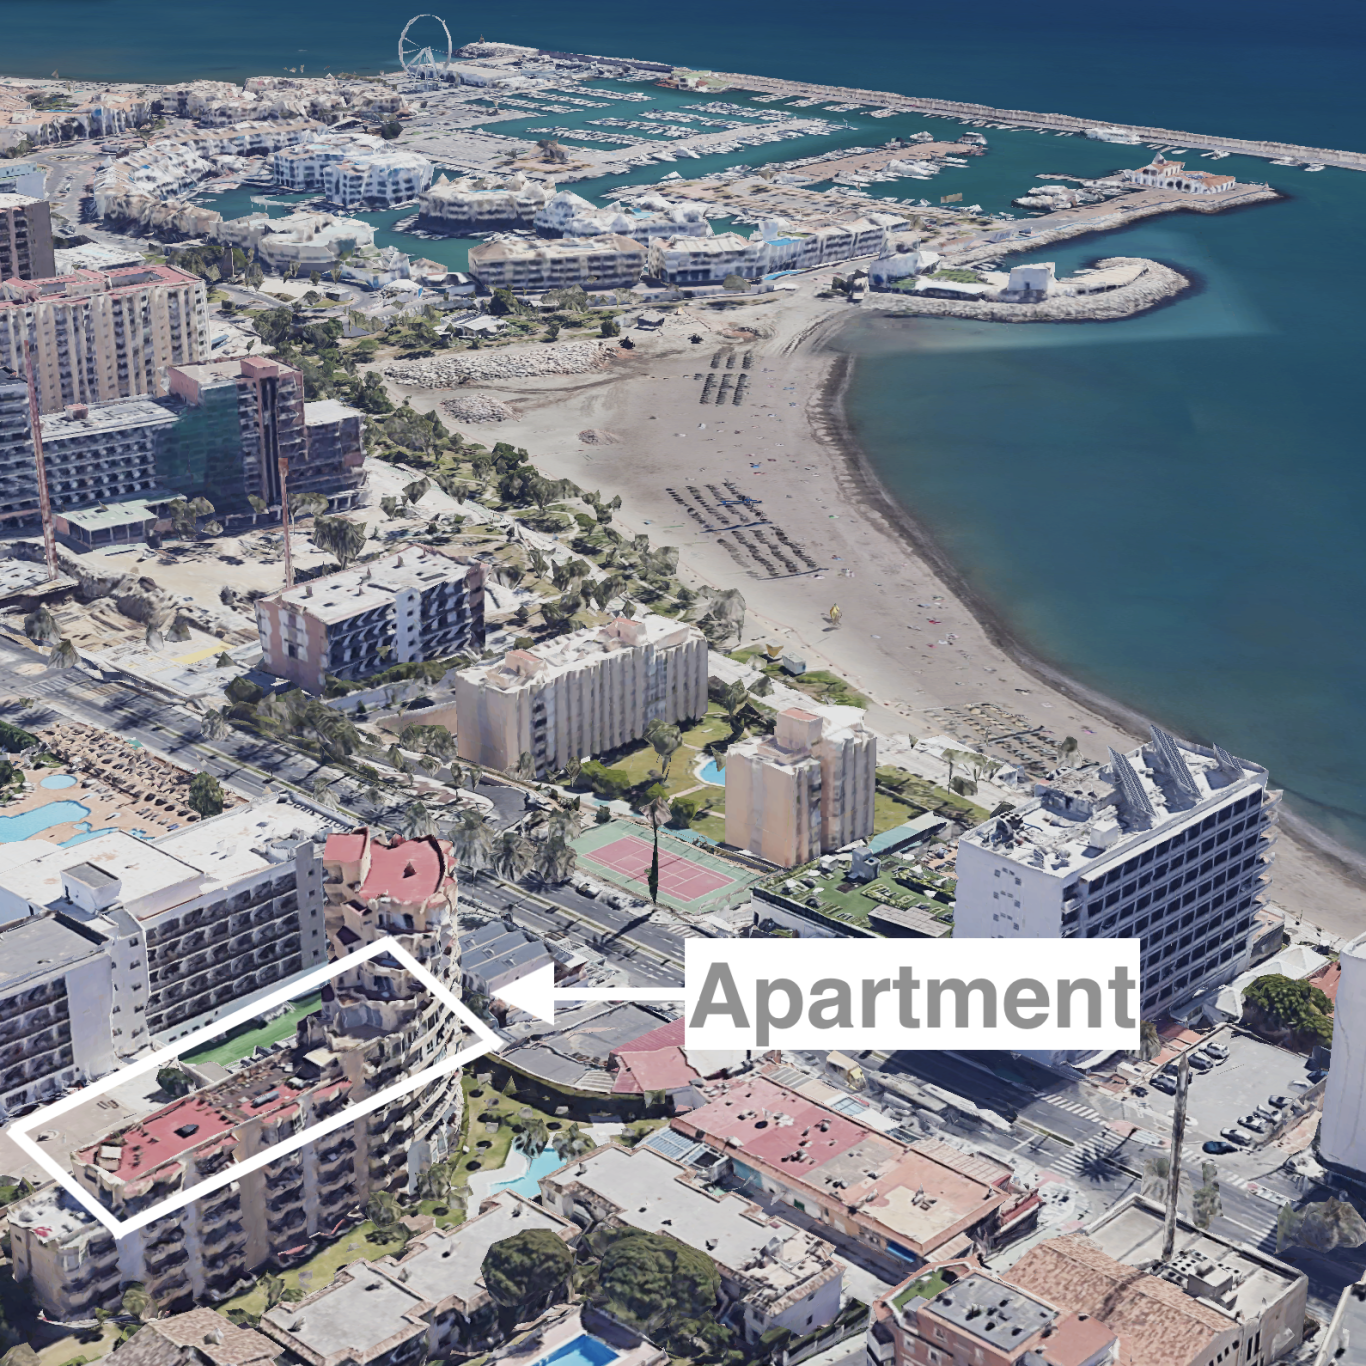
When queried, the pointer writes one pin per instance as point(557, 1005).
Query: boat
point(1315, 166)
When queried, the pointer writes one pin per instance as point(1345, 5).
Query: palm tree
point(41, 626)
point(555, 861)
point(534, 1137)
point(275, 1289)
point(471, 777)
point(63, 656)
point(664, 740)
point(322, 791)
point(573, 770)
point(417, 822)
point(526, 766)
point(511, 856)
point(734, 700)
point(471, 839)
point(396, 758)
point(136, 1301)
point(383, 1210)
point(1067, 747)
point(340, 538)
point(571, 1142)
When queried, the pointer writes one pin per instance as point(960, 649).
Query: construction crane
point(1183, 1081)
point(44, 503)
point(284, 520)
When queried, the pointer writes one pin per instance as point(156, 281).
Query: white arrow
point(536, 993)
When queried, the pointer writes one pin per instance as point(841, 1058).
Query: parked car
point(1318, 1074)
point(1254, 1122)
point(1219, 1147)
point(1165, 1084)
point(1266, 1113)
point(1280, 1102)
point(587, 887)
point(1139, 1091)
point(1217, 1051)
point(1235, 1136)
point(1200, 1062)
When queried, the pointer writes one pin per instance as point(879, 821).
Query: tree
point(664, 739)
point(651, 1281)
point(511, 856)
point(136, 1301)
point(339, 537)
point(555, 860)
point(174, 1081)
point(64, 656)
point(681, 812)
point(734, 700)
point(14, 739)
point(1286, 1005)
point(1067, 747)
point(206, 796)
point(525, 766)
point(609, 327)
point(572, 1142)
point(417, 822)
point(735, 284)
point(1149, 1041)
point(322, 791)
point(40, 626)
point(471, 838)
point(503, 302)
point(383, 1210)
point(274, 1287)
point(1205, 1202)
point(534, 1136)
point(526, 1272)
point(315, 277)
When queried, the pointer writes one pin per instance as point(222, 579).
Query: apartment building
point(199, 1337)
point(779, 1277)
point(102, 452)
point(580, 695)
point(235, 419)
point(376, 1023)
point(1170, 842)
point(415, 604)
point(803, 791)
point(99, 335)
point(646, 217)
point(376, 180)
point(185, 928)
point(25, 238)
point(483, 202)
point(983, 1320)
point(18, 475)
point(703, 260)
point(609, 261)
point(430, 1300)
point(300, 167)
point(335, 454)
point(1342, 1132)
point(903, 1203)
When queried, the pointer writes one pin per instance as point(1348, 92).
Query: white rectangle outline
point(19, 1129)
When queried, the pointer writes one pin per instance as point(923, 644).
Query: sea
point(1169, 508)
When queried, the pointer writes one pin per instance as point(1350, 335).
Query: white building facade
point(587, 693)
point(1170, 843)
point(1342, 1132)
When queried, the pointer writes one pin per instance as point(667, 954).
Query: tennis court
point(690, 878)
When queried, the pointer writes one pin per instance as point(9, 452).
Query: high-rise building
point(1170, 843)
point(25, 238)
point(102, 452)
point(803, 791)
point(416, 604)
point(236, 418)
point(334, 458)
point(98, 335)
point(581, 695)
point(18, 474)
point(1342, 1133)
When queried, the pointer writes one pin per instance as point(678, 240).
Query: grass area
point(926, 1286)
point(888, 813)
point(819, 684)
point(713, 825)
point(638, 763)
point(635, 1134)
point(487, 1104)
point(245, 1039)
point(854, 904)
point(924, 794)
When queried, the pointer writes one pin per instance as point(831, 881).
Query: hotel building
point(608, 261)
point(25, 238)
point(803, 791)
point(1170, 843)
point(586, 693)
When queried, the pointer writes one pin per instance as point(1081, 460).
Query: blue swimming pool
point(29, 823)
point(58, 780)
point(527, 1185)
point(584, 1350)
point(709, 773)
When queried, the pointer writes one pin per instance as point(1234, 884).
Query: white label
point(912, 993)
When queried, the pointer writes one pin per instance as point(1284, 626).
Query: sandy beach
point(911, 636)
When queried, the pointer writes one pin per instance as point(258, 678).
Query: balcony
point(224, 1233)
point(176, 1256)
point(292, 1218)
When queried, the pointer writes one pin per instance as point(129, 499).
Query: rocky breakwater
point(1154, 284)
point(513, 362)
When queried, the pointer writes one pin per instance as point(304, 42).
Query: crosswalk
point(1075, 1160)
point(1075, 1106)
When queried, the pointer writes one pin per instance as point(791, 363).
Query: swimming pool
point(58, 780)
point(527, 1185)
point(584, 1350)
point(709, 773)
point(29, 823)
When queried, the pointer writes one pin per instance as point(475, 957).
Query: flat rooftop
point(40, 946)
point(448, 1262)
point(104, 419)
point(352, 1316)
point(981, 1307)
point(327, 410)
point(353, 591)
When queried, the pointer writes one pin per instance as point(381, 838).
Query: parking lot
point(1220, 1097)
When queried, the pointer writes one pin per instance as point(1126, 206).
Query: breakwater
point(1156, 285)
point(1052, 123)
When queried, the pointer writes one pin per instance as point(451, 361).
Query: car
point(1200, 1062)
point(1219, 1147)
point(1254, 1122)
point(1266, 1113)
point(1234, 1136)
point(1318, 1074)
point(1139, 1091)
point(1217, 1051)
point(1165, 1084)
point(1280, 1102)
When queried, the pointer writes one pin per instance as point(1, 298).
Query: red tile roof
point(666, 1036)
point(407, 870)
point(345, 848)
point(663, 1069)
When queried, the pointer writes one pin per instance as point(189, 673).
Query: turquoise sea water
point(1170, 508)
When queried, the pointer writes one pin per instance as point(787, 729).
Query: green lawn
point(639, 762)
point(244, 1040)
point(854, 906)
point(508, 1109)
point(928, 1286)
point(888, 813)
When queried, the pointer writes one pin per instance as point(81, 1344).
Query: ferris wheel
point(423, 55)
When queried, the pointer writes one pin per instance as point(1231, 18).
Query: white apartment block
point(646, 217)
point(481, 202)
point(416, 604)
point(101, 453)
point(805, 790)
point(300, 167)
point(610, 261)
point(1170, 843)
point(703, 260)
point(97, 335)
point(377, 179)
point(581, 695)
point(1342, 1132)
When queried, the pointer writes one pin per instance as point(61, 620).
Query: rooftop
point(652, 1193)
point(520, 249)
point(353, 591)
point(328, 410)
point(981, 1307)
point(406, 871)
point(210, 1336)
point(1087, 818)
point(40, 946)
point(82, 283)
point(349, 1318)
point(104, 419)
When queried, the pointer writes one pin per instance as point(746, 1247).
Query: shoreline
point(915, 638)
point(1344, 861)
